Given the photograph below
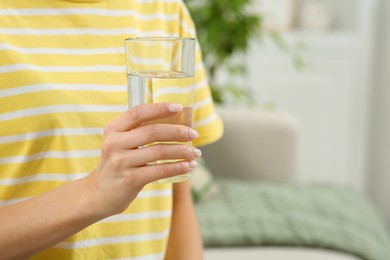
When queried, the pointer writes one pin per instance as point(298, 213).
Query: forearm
point(184, 240)
point(41, 222)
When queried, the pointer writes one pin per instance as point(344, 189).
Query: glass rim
point(159, 39)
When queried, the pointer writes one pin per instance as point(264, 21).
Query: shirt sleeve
point(206, 120)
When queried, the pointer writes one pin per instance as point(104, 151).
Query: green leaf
point(225, 28)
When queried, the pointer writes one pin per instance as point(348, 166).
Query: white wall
point(329, 97)
point(379, 170)
point(348, 18)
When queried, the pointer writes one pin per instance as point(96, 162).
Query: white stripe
point(146, 257)
point(61, 109)
point(203, 103)
point(86, 31)
point(87, 68)
point(63, 51)
point(198, 66)
point(138, 216)
point(172, 90)
point(73, 87)
point(51, 132)
point(178, 90)
point(113, 240)
point(205, 121)
point(160, 61)
point(201, 84)
point(50, 154)
point(12, 201)
point(155, 193)
point(88, 11)
point(167, 65)
point(151, 62)
point(42, 177)
point(187, 28)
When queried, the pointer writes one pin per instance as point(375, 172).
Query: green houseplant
point(225, 29)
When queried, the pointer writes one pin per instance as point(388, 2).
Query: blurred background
point(324, 62)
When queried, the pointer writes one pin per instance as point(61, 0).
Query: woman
point(68, 191)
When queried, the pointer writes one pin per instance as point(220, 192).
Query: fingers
point(149, 155)
point(137, 115)
point(139, 127)
point(148, 174)
point(156, 133)
point(124, 168)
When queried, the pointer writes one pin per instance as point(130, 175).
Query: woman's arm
point(184, 240)
point(43, 221)
point(33, 225)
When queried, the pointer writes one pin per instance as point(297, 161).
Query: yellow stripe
point(14, 79)
point(108, 252)
point(74, 77)
point(48, 165)
point(49, 98)
point(43, 122)
point(63, 60)
point(150, 204)
point(26, 190)
point(57, 143)
point(85, 21)
point(68, 41)
point(128, 228)
point(210, 133)
point(115, 5)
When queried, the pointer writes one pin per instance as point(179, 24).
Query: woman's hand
point(125, 168)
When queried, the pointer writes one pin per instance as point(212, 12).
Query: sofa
point(254, 207)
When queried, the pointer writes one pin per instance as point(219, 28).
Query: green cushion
point(253, 213)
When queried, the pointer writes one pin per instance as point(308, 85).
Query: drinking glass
point(161, 69)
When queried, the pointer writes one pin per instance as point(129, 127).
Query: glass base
point(175, 179)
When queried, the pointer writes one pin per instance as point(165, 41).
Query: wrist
point(91, 201)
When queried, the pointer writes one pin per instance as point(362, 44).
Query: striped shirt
point(62, 78)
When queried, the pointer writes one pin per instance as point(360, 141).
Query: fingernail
point(197, 152)
point(175, 107)
point(193, 134)
point(192, 164)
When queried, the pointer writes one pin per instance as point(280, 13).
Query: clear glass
point(162, 70)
